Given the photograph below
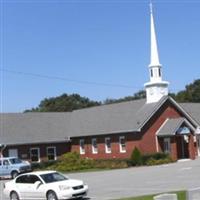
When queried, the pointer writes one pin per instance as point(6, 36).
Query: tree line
point(68, 103)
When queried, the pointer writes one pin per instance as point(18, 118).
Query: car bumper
point(73, 193)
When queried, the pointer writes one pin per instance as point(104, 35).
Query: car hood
point(69, 182)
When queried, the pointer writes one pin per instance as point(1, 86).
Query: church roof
point(22, 128)
point(131, 116)
point(17, 128)
point(171, 126)
point(193, 109)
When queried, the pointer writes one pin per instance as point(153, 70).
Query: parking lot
point(115, 184)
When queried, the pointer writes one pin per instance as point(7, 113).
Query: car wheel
point(51, 196)
point(14, 196)
point(14, 174)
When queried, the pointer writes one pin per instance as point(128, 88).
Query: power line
point(173, 90)
point(67, 79)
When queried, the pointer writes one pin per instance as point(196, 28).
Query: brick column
point(192, 147)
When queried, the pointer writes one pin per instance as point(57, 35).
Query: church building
point(155, 124)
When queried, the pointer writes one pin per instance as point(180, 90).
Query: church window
point(159, 72)
point(94, 146)
point(122, 144)
point(151, 72)
point(167, 148)
point(82, 146)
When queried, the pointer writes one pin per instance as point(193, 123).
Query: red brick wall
point(24, 150)
point(132, 140)
point(174, 149)
point(148, 142)
point(192, 147)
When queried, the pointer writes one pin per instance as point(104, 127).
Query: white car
point(48, 185)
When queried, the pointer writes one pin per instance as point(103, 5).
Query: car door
point(36, 187)
point(5, 168)
point(22, 185)
point(29, 188)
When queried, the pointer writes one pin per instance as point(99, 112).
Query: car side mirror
point(37, 184)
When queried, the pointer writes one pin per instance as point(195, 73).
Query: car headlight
point(64, 187)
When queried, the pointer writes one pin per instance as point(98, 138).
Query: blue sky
point(97, 48)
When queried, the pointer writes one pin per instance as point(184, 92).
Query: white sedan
point(49, 185)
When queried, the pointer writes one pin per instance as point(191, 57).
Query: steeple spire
point(155, 88)
point(154, 61)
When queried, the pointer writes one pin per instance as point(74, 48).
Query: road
point(115, 184)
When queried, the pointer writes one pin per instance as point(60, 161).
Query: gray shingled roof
point(171, 126)
point(113, 118)
point(122, 117)
point(17, 128)
point(21, 128)
point(193, 109)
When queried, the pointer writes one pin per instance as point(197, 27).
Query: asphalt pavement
point(136, 181)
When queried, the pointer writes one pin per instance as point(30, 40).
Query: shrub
point(136, 157)
point(111, 163)
point(153, 161)
point(156, 158)
point(43, 165)
point(159, 156)
point(73, 162)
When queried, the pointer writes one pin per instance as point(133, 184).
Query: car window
point(15, 160)
point(53, 177)
point(5, 162)
point(27, 179)
point(22, 179)
point(33, 179)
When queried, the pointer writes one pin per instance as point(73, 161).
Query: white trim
point(55, 154)
point(157, 148)
point(82, 146)
point(94, 146)
point(38, 150)
point(121, 148)
point(108, 149)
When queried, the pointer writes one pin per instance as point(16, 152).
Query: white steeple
point(156, 88)
point(154, 49)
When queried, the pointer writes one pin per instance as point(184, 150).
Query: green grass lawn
point(181, 196)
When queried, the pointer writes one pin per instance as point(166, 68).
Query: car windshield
point(15, 160)
point(53, 177)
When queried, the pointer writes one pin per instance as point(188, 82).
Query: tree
point(64, 103)
point(67, 103)
point(136, 157)
point(190, 94)
point(139, 95)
